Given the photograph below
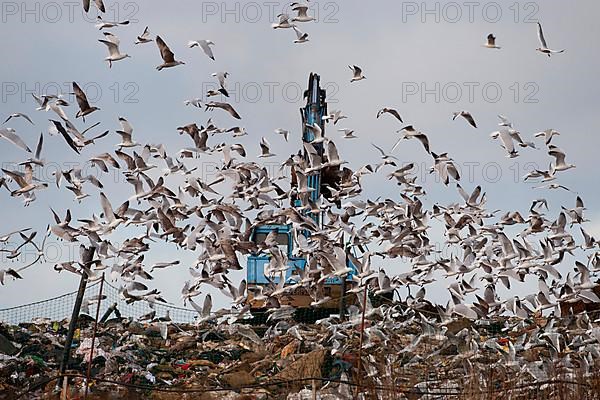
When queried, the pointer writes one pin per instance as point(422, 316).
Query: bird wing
point(14, 139)
point(423, 139)
point(395, 114)
point(146, 33)
point(462, 192)
point(65, 135)
point(541, 36)
point(127, 158)
point(332, 152)
point(229, 108)
point(81, 98)
point(26, 117)
point(507, 247)
point(380, 149)
point(17, 177)
point(58, 110)
point(207, 306)
point(113, 48)
point(166, 53)
point(475, 195)
point(470, 119)
point(264, 146)
point(299, 34)
point(112, 38)
point(38, 149)
point(99, 4)
point(558, 155)
point(107, 208)
point(207, 50)
point(507, 140)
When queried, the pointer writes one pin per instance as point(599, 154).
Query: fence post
point(72, 326)
point(342, 299)
point(360, 345)
point(89, 368)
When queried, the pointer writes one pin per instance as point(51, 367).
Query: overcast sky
point(423, 58)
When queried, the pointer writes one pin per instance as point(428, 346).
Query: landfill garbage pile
point(405, 354)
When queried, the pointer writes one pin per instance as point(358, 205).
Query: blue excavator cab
point(312, 114)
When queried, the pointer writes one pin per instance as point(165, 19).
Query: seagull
point(111, 219)
point(10, 135)
point(491, 42)
point(553, 186)
point(411, 132)
point(576, 214)
point(547, 134)
point(167, 55)
point(334, 116)
point(221, 91)
point(544, 47)
point(27, 183)
point(302, 10)
point(109, 24)
point(356, 73)
point(282, 132)
point(388, 159)
point(221, 76)
point(466, 115)
point(301, 37)
point(265, 148)
point(11, 272)
point(589, 241)
point(163, 265)
point(507, 141)
point(205, 310)
point(197, 102)
point(17, 115)
point(4, 237)
point(559, 156)
point(38, 151)
point(113, 50)
point(389, 111)
point(317, 133)
point(98, 3)
point(126, 132)
point(284, 22)
point(144, 37)
point(224, 106)
point(102, 159)
point(333, 157)
point(205, 45)
point(79, 141)
point(504, 121)
point(237, 131)
point(348, 133)
point(84, 106)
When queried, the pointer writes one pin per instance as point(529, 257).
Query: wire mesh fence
point(436, 369)
point(328, 388)
point(61, 307)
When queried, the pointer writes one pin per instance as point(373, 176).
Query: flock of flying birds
point(198, 217)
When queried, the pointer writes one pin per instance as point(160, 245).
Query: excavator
point(319, 181)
